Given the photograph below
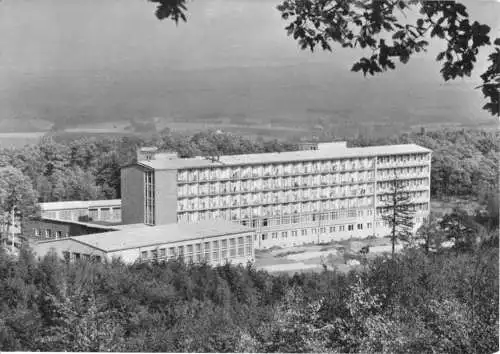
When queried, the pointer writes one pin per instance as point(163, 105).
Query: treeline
point(445, 302)
point(464, 163)
point(89, 169)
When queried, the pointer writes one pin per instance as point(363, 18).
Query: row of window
point(314, 181)
point(291, 168)
point(203, 190)
point(402, 159)
point(404, 195)
point(403, 184)
point(281, 219)
point(283, 235)
point(105, 214)
point(210, 251)
point(149, 198)
point(343, 198)
point(75, 256)
point(49, 233)
point(274, 182)
point(421, 171)
point(417, 207)
point(275, 210)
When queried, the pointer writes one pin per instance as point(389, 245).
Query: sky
point(76, 51)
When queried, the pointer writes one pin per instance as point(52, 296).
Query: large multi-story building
point(327, 193)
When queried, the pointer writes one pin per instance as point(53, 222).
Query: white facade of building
point(296, 197)
point(213, 241)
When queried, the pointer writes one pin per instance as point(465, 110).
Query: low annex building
point(47, 228)
point(108, 210)
point(213, 241)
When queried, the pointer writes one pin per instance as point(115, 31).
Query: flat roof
point(80, 204)
point(82, 223)
point(331, 152)
point(136, 236)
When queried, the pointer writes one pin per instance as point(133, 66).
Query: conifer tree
point(398, 213)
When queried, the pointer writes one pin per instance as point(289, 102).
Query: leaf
point(399, 34)
point(387, 26)
point(356, 67)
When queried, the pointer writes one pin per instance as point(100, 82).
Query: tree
point(462, 229)
point(431, 234)
point(397, 212)
point(17, 197)
point(380, 26)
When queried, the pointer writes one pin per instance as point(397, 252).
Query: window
point(215, 251)
point(180, 252)
point(350, 227)
point(154, 254)
point(360, 226)
point(117, 213)
point(369, 225)
point(264, 236)
point(241, 247)
point(149, 198)
point(332, 228)
point(66, 256)
point(303, 232)
point(274, 235)
point(248, 246)
point(197, 252)
point(93, 214)
point(48, 233)
point(294, 233)
point(162, 252)
point(284, 234)
point(37, 232)
point(58, 234)
point(341, 228)
point(105, 214)
point(223, 250)
point(232, 248)
point(206, 251)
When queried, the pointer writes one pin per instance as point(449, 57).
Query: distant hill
point(302, 98)
point(15, 125)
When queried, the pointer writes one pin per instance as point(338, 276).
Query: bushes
point(412, 303)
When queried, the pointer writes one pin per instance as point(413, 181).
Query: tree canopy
point(445, 302)
point(381, 28)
